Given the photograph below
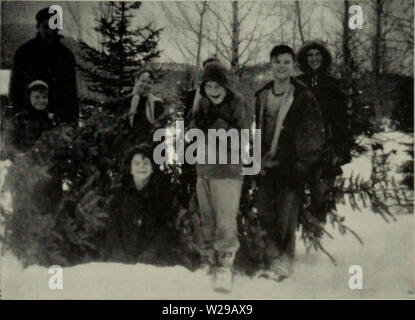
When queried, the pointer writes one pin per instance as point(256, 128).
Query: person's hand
point(44, 172)
point(267, 162)
point(66, 133)
point(38, 173)
point(337, 160)
point(89, 204)
point(180, 216)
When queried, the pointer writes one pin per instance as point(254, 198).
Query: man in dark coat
point(292, 138)
point(315, 60)
point(45, 58)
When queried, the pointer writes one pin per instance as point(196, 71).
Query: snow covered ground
point(386, 258)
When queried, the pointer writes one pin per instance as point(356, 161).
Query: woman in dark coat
point(143, 111)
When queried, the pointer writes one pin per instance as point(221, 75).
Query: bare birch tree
point(300, 26)
point(291, 21)
point(190, 30)
point(241, 33)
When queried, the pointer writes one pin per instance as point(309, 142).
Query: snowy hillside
point(386, 258)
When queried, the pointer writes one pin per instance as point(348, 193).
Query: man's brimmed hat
point(43, 15)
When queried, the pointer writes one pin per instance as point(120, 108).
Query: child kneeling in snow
point(141, 214)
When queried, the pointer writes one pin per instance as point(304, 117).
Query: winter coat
point(139, 124)
point(302, 136)
point(232, 113)
point(331, 100)
point(136, 217)
point(28, 127)
point(54, 64)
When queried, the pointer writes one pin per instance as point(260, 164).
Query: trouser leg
point(266, 203)
point(226, 194)
point(287, 211)
point(278, 207)
point(206, 236)
point(219, 205)
point(320, 192)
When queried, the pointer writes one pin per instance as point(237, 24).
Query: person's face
point(141, 168)
point(39, 99)
point(215, 92)
point(314, 59)
point(282, 66)
point(45, 32)
point(143, 84)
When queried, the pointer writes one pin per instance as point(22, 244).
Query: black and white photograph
point(207, 150)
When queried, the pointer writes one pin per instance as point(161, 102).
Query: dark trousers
point(279, 202)
point(320, 184)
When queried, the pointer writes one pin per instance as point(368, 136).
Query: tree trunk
point(300, 27)
point(235, 38)
point(200, 35)
point(346, 43)
point(377, 40)
point(294, 31)
point(121, 31)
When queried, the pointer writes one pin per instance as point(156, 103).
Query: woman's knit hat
point(214, 71)
point(37, 84)
point(32, 86)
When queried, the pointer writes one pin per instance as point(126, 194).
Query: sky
point(79, 19)
point(320, 19)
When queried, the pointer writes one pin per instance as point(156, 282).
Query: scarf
point(151, 99)
point(286, 103)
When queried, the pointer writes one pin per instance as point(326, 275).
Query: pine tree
point(124, 49)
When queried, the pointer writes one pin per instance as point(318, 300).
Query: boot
point(223, 276)
point(282, 267)
point(208, 260)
